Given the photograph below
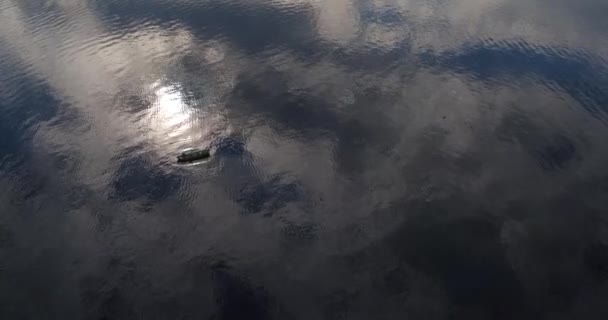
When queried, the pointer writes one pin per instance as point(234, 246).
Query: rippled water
point(420, 159)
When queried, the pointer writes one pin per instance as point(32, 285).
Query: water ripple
point(419, 159)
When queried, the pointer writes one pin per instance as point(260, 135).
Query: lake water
point(381, 159)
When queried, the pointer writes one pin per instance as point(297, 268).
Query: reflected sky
point(371, 159)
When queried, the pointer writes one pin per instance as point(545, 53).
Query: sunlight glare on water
point(169, 115)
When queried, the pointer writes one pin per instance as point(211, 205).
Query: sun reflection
point(175, 122)
point(171, 119)
point(171, 112)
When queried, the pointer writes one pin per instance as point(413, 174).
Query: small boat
point(193, 155)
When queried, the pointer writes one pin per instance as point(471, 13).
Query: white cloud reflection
point(95, 70)
point(443, 25)
point(111, 64)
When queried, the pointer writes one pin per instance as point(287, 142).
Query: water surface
point(395, 159)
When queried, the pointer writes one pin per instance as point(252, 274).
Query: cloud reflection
point(374, 144)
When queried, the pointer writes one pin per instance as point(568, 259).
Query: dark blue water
point(420, 159)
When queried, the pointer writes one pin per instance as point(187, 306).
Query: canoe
point(193, 155)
